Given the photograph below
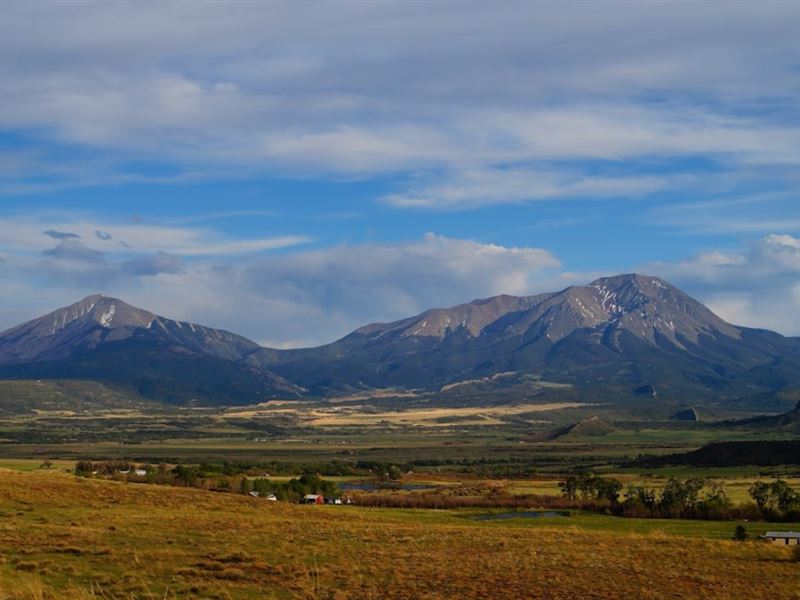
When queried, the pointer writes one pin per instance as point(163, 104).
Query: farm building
point(787, 538)
point(313, 499)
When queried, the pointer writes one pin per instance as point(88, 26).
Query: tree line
point(692, 498)
point(222, 480)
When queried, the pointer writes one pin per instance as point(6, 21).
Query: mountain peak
point(108, 312)
point(636, 286)
point(647, 307)
point(97, 320)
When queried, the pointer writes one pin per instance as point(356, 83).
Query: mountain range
point(632, 336)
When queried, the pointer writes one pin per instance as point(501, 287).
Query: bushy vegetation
point(292, 490)
point(692, 498)
point(224, 478)
point(740, 534)
point(590, 487)
point(776, 500)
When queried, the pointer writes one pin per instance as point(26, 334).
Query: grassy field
point(68, 537)
point(65, 537)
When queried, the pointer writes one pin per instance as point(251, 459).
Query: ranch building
point(786, 538)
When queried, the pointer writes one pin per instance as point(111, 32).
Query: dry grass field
point(364, 416)
point(65, 537)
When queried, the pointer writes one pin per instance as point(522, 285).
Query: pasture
point(64, 536)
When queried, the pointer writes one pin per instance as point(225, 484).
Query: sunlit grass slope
point(64, 537)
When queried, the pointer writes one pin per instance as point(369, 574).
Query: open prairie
point(64, 536)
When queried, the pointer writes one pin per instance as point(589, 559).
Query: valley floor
point(67, 537)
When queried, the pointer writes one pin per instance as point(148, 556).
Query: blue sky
point(290, 171)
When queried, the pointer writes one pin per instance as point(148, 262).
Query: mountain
point(628, 338)
point(619, 333)
point(98, 320)
point(105, 339)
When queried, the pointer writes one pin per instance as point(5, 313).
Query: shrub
point(740, 533)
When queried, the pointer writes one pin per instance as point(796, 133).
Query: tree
point(717, 495)
point(784, 496)
point(186, 474)
point(84, 468)
point(761, 493)
point(608, 489)
point(740, 533)
point(773, 497)
point(569, 488)
point(591, 487)
point(638, 495)
point(681, 495)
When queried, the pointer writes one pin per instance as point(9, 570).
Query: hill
point(589, 427)
point(60, 395)
point(83, 539)
point(732, 454)
point(788, 422)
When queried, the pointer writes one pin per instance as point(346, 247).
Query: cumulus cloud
point(317, 296)
point(161, 262)
point(305, 297)
point(153, 257)
point(757, 286)
point(72, 261)
point(313, 296)
point(75, 251)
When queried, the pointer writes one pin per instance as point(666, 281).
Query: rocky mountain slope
point(610, 339)
point(105, 339)
point(620, 332)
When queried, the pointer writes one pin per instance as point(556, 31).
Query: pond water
point(527, 514)
point(366, 486)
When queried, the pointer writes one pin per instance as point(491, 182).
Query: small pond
point(527, 514)
point(365, 486)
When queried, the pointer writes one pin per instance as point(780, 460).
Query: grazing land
point(125, 536)
point(64, 536)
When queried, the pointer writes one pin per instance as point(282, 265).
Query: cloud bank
point(556, 96)
point(310, 296)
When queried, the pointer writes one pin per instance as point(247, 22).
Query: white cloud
point(461, 88)
point(758, 286)
point(313, 296)
point(476, 187)
point(36, 234)
point(305, 297)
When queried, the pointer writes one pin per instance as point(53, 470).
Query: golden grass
point(63, 537)
point(428, 417)
point(361, 415)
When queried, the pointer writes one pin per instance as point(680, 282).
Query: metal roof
point(783, 534)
